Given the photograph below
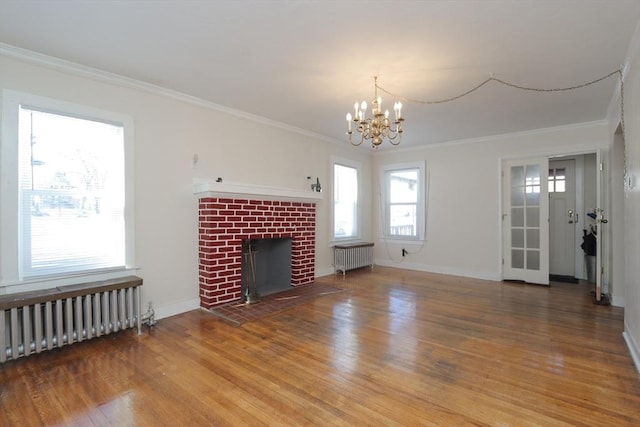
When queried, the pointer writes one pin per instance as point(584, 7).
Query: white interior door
point(525, 220)
point(563, 217)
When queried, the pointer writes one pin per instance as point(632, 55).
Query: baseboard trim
point(324, 271)
point(439, 270)
point(634, 350)
point(617, 301)
point(177, 308)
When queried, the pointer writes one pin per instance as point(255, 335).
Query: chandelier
point(378, 127)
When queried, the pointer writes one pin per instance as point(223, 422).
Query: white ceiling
point(304, 63)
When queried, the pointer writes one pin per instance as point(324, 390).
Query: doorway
point(567, 195)
point(573, 201)
point(564, 218)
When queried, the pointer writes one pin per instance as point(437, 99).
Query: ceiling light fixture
point(378, 127)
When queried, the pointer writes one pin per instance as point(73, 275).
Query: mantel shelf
point(210, 188)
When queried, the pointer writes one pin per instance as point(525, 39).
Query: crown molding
point(498, 137)
point(76, 69)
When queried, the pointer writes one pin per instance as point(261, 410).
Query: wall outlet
point(404, 252)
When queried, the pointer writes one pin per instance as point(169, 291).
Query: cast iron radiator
point(352, 255)
point(32, 322)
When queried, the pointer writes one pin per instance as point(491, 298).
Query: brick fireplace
point(224, 222)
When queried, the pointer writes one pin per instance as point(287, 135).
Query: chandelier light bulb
point(377, 128)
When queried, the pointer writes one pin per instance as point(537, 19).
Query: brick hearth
point(224, 223)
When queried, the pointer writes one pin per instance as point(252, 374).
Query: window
point(64, 210)
point(403, 201)
point(557, 180)
point(345, 199)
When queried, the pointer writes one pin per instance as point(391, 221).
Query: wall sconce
point(316, 187)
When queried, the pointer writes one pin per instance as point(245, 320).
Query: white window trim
point(10, 258)
point(420, 204)
point(358, 166)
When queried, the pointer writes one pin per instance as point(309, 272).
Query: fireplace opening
point(266, 267)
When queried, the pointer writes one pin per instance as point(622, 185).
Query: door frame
point(551, 154)
point(579, 260)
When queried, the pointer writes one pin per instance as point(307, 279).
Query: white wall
point(168, 132)
point(464, 200)
point(632, 203)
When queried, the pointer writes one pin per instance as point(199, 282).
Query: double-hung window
point(403, 201)
point(345, 199)
point(66, 190)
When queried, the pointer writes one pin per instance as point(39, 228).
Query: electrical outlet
point(404, 252)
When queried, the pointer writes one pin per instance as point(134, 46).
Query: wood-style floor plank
point(394, 348)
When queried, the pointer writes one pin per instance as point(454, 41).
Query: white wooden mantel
point(211, 188)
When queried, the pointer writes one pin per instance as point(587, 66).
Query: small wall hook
point(316, 187)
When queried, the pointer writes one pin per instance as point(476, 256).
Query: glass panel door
point(525, 221)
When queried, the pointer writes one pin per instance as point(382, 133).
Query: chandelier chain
point(505, 83)
point(617, 72)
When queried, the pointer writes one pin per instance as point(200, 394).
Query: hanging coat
point(589, 244)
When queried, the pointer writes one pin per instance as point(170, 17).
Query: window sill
point(53, 281)
point(346, 240)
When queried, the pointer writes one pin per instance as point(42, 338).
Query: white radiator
point(351, 256)
point(32, 322)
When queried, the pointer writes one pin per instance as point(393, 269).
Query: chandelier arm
point(393, 136)
point(356, 144)
point(377, 127)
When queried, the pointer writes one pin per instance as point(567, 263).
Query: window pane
point(403, 220)
point(533, 238)
point(557, 180)
point(403, 186)
point(404, 201)
point(517, 238)
point(517, 175)
point(533, 199)
point(72, 185)
point(517, 196)
point(517, 258)
point(345, 195)
point(533, 217)
point(533, 174)
point(533, 260)
point(517, 217)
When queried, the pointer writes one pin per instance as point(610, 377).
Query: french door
point(525, 220)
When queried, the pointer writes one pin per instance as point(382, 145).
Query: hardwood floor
point(396, 348)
